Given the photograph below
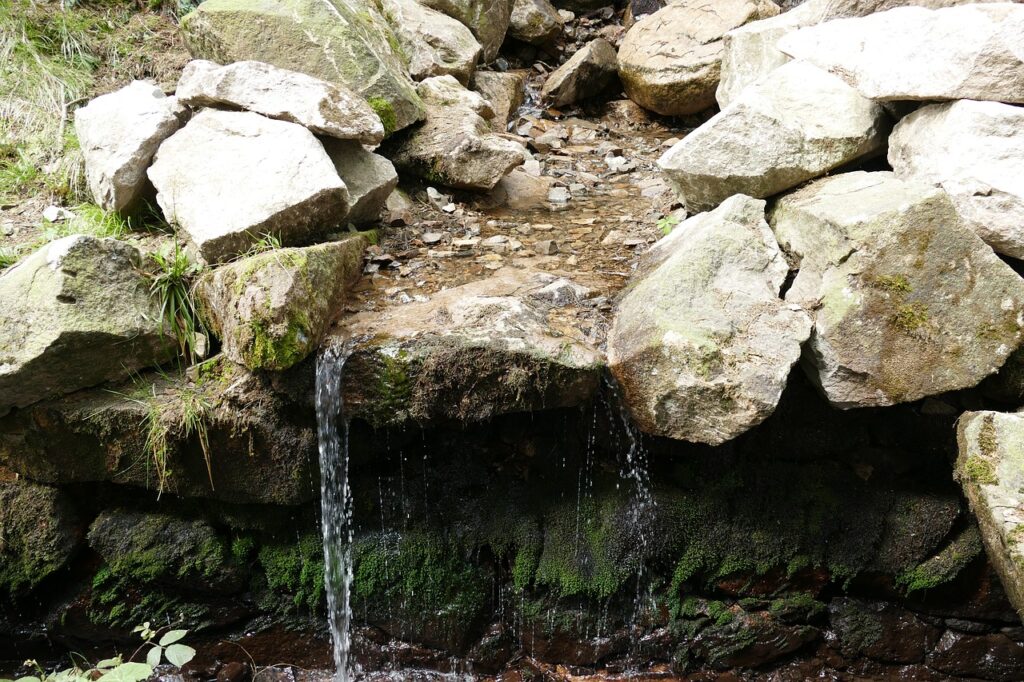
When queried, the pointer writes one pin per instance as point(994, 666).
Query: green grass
point(172, 285)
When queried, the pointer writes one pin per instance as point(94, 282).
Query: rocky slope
point(627, 393)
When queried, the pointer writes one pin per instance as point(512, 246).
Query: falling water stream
point(335, 501)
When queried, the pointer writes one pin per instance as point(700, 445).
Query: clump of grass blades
point(186, 415)
point(172, 284)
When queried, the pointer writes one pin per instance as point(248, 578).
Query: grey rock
point(370, 179)
point(535, 22)
point(487, 19)
point(588, 73)
point(40, 534)
point(434, 43)
point(506, 92)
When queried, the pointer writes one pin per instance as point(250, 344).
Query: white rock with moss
point(271, 310)
point(990, 468)
point(434, 44)
point(701, 344)
point(228, 178)
point(370, 179)
point(487, 19)
point(119, 133)
point(670, 61)
point(974, 151)
point(325, 108)
point(907, 302)
point(77, 312)
point(339, 41)
point(797, 124)
point(536, 22)
point(912, 53)
point(455, 147)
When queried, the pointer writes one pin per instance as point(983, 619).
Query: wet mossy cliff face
point(820, 540)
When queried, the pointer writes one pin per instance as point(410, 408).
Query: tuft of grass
point(172, 283)
point(8, 257)
point(267, 242)
point(195, 408)
point(93, 220)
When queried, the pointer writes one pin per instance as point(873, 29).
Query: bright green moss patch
point(944, 566)
point(296, 570)
point(980, 470)
point(386, 112)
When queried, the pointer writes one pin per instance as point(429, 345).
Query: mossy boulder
point(271, 310)
point(242, 445)
point(907, 302)
point(163, 549)
point(990, 467)
point(77, 312)
point(470, 353)
point(339, 41)
point(38, 534)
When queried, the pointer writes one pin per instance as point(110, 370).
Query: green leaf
point(172, 636)
point(27, 678)
point(153, 657)
point(129, 672)
point(179, 654)
point(109, 663)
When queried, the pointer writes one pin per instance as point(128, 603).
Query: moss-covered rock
point(38, 534)
point(77, 312)
point(163, 549)
point(341, 41)
point(220, 432)
point(272, 310)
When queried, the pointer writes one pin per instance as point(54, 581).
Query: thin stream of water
point(335, 502)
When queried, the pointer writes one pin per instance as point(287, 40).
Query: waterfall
point(335, 501)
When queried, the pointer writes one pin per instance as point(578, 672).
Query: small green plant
point(266, 242)
point(168, 647)
point(8, 257)
point(668, 223)
point(91, 219)
point(172, 284)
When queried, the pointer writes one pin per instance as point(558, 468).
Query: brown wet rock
point(988, 657)
point(880, 631)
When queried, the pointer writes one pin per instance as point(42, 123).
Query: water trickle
point(335, 501)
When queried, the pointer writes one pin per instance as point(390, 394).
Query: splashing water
point(335, 501)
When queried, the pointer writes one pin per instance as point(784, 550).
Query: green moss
point(372, 236)
point(242, 549)
point(944, 566)
point(386, 112)
point(910, 317)
point(391, 391)
point(267, 350)
point(894, 284)
point(427, 574)
point(296, 570)
point(980, 470)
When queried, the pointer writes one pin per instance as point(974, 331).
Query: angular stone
point(40, 534)
point(434, 43)
point(535, 22)
point(487, 19)
point(187, 554)
point(796, 124)
point(455, 146)
point(506, 92)
point(470, 353)
point(370, 179)
point(340, 41)
point(670, 61)
point(118, 134)
point(907, 302)
point(228, 178)
point(701, 343)
point(259, 455)
point(990, 468)
point(325, 108)
point(750, 50)
point(974, 151)
point(912, 53)
point(586, 74)
point(77, 312)
point(271, 310)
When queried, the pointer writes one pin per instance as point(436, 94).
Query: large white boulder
point(229, 177)
point(907, 302)
point(487, 19)
point(434, 44)
point(795, 125)
point(118, 134)
point(701, 343)
point(455, 146)
point(975, 151)
point(325, 108)
point(370, 179)
point(670, 61)
point(913, 53)
point(751, 52)
point(76, 313)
